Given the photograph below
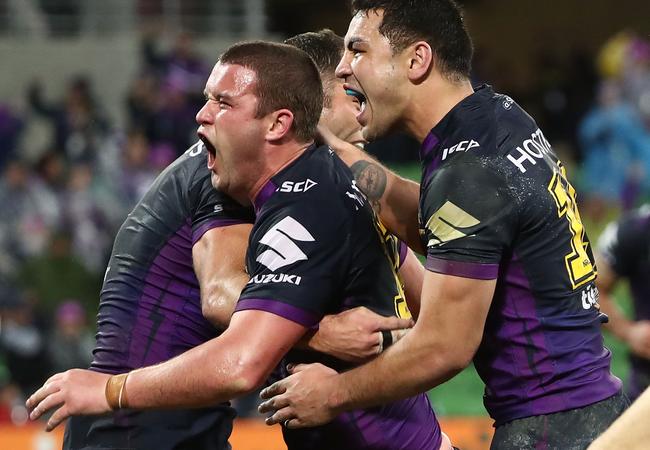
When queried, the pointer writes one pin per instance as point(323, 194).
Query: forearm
point(626, 432)
point(438, 347)
point(203, 376)
point(411, 366)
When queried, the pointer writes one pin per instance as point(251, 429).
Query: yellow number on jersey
point(578, 264)
point(390, 243)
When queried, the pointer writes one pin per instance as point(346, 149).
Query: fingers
point(295, 368)
point(393, 323)
point(59, 416)
point(37, 397)
point(273, 404)
point(281, 416)
point(277, 388)
point(51, 401)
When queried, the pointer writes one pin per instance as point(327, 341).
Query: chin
point(368, 134)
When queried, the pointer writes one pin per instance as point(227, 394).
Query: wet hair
point(438, 22)
point(326, 49)
point(286, 78)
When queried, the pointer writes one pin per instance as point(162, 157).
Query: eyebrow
point(222, 96)
point(354, 40)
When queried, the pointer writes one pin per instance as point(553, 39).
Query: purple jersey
point(150, 305)
point(316, 248)
point(495, 204)
point(150, 309)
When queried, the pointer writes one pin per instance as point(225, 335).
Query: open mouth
point(208, 146)
point(358, 96)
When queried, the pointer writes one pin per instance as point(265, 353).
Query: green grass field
point(463, 395)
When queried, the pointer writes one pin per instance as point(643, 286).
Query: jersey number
point(390, 245)
point(578, 263)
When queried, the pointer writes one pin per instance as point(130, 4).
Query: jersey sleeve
point(468, 220)
point(617, 245)
point(214, 209)
point(296, 261)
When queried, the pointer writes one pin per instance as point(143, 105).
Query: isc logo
point(462, 146)
point(300, 186)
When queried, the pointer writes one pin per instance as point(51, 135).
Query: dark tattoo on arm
point(371, 179)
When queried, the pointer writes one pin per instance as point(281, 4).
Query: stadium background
point(96, 97)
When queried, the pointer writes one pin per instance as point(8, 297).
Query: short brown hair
point(286, 78)
point(326, 49)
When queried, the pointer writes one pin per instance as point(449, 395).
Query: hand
point(638, 338)
point(74, 392)
point(301, 399)
point(355, 335)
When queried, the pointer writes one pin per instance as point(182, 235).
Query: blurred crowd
point(615, 133)
point(62, 207)
point(63, 204)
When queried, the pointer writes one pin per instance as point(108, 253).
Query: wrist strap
point(116, 391)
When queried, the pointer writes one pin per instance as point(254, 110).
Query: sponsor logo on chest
point(462, 146)
point(297, 186)
point(275, 278)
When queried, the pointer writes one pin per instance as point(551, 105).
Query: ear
point(280, 123)
point(420, 61)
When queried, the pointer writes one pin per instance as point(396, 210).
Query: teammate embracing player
point(510, 274)
point(315, 249)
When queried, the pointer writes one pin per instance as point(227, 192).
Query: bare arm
point(394, 198)
point(629, 430)
point(231, 365)
point(355, 335)
point(437, 348)
point(636, 334)
point(219, 265)
point(412, 274)
point(223, 368)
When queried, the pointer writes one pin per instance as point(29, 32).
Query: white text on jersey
point(275, 278)
point(300, 186)
point(535, 147)
point(462, 146)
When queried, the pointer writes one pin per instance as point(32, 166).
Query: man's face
point(230, 130)
point(340, 116)
point(374, 74)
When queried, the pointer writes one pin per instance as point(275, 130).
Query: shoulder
point(318, 182)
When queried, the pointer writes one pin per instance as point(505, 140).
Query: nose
point(204, 116)
point(344, 69)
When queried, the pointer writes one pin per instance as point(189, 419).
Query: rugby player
point(177, 261)
point(624, 253)
point(314, 249)
point(339, 119)
point(180, 256)
point(509, 264)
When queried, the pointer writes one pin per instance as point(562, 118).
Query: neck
point(432, 100)
point(276, 158)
